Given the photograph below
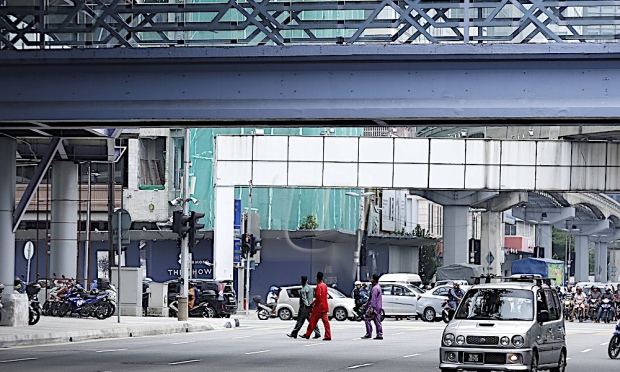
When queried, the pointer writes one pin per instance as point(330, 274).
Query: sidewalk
point(71, 329)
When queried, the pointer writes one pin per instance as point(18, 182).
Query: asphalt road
point(263, 346)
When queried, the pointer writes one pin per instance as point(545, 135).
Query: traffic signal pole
point(247, 259)
point(182, 303)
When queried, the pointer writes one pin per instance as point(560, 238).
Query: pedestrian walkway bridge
point(139, 23)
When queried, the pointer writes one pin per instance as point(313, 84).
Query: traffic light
point(246, 245)
point(179, 223)
point(254, 245)
point(194, 228)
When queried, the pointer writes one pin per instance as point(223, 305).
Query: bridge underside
point(348, 85)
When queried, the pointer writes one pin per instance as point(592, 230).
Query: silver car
point(506, 326)
point(430, 303)
point(340, 306)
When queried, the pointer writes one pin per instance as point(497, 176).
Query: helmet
point(593, 287)
point(273, 288)
point(357, 282)
point(607, 289)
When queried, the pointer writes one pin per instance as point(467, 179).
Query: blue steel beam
point(35, 181)
point(313, 85)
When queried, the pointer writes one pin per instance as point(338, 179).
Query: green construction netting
point(279, 208)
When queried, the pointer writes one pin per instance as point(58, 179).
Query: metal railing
point(51, 24)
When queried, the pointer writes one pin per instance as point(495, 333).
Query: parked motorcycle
point(34, 308)
point(201, 310)
point(607, 310)
point(614, 344)
point(262, 311)
point(85, 304)
point(1, 290)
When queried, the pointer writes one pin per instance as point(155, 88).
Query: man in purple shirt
point(373, 311)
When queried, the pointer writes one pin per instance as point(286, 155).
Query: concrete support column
point(223, 233)
point(600, 262)
point(8, 148)
point(614, 269)
point(455, 239)
point(63, 225)
point(546, 239)
point(582, 261)
point(491, 240)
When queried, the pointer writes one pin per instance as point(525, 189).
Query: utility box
point(158, 299)
point(130, 290)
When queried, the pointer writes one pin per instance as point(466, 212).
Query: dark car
point(218, 294)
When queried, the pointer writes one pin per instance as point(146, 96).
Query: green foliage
point(429, 262)
point(309, 223)
point(558, 244)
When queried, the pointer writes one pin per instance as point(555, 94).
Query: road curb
point(44, 338)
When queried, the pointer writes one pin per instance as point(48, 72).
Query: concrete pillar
point(8, 148)
point(546, 239)
point(614, 265)
point(600, 262)
point(582, 261)
point(492, 240)
point(63, 225)
point(223, 233)
point(455, 239)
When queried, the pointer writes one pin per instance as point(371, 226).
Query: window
point(441, 292)
point(293, 292)
point(152, 161)
point(386, 290)
point(497, 304)
point(552, 304)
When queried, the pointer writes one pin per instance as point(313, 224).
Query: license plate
point(473, 357)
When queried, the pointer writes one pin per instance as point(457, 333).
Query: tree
point(429, 261)
point(309, 223)
point(558, 244)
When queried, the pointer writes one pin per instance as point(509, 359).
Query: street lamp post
point(360, 228)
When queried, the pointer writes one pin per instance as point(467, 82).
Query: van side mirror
point(543, 317)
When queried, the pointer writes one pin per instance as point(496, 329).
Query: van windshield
point(497, 304)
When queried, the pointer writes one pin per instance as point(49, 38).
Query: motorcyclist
point(272, 299)
point(607, 295)
point(455, 295)
point(595, 296)
point(356, 294)
point(364, 292)
point(579, 297)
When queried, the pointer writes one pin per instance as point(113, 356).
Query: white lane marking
point(182, 343)
point(604, 343)
point(240, 337)
point(567, 358)
point(257, 352)
point(321, 343)
point(184, 362)
point(355, 339)
point(409, 356)
point(360, 366)
point(17, 360)
point(586, 350)
point(110, 351)
point(399, 333)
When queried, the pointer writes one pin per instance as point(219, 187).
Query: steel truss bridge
point(49, 24)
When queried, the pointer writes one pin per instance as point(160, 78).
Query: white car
point(340, 306)
point(399, 299)
point(429, 305)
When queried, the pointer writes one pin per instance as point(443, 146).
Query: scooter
point(568, 303)
point(614, 344)
point(262, 311)
point(34, 308)
point(448, 312)
point(201, 310)
point(580, 312)
point(606, 314)
point(593, 309)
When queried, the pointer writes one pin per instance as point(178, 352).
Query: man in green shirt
point(305, 300)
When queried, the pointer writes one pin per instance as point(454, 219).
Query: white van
point(406, 278)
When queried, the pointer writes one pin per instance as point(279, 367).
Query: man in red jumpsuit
point(320, 308)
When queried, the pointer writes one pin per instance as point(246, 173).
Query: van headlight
point(518, 341)
point(448, 339)
point(460, 339)
point(504, 341)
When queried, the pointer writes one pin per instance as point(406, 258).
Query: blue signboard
point(237, 228)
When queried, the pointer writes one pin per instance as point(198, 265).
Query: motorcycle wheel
point(64, 309)
point(46, 308)
point(208, 312)
point(33, 316)
point(614, 347)
point(111, 309)
point(172, 313)
point(263, 314)
point(101, 311)
point(54, 308)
